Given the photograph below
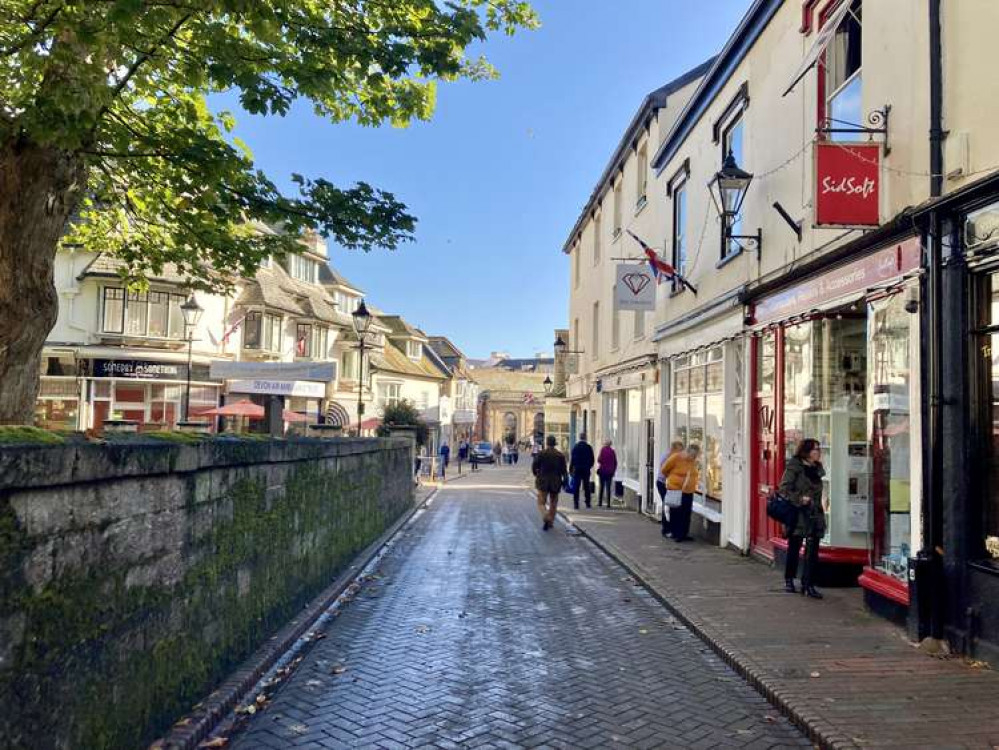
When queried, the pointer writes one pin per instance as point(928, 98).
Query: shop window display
point(889, 397)
point(990, 385)
point(825, 375)
point(699, 412)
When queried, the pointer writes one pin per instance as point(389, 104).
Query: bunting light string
point(907, 172)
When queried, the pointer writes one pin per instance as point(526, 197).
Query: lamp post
point(362, 321)
point(728, 190)
point(192, 314)
point(548, 385)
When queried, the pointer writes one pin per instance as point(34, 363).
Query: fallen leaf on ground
point(261, 699)
point(815, 674)
point(298, 728)
point(423, 629)
point(769, 719)
point(338, 669)
point(183, 722)
point(314, 683)
point(158, 745)
point(643, 631)
point(214, 742)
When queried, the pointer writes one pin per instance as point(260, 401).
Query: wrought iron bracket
point(749, 242)
point(877, 124)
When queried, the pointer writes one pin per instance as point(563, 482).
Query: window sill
point(729, 258)
point(641, 204)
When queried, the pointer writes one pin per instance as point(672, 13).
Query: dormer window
point(414, 349)
point(303, 269)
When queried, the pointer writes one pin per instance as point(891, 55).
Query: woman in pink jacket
point(606, 468)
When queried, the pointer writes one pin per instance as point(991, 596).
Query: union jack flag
point(529, 399)
point(660, 268)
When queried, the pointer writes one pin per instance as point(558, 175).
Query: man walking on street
point(580, 466)
point(445, 458)
point(549, 472)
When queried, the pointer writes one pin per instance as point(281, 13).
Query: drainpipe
point(933, 517)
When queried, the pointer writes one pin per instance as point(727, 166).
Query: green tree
point(404, 414)
point(107, 140)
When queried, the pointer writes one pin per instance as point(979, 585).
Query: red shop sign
point(847, 184)
point(873, 269)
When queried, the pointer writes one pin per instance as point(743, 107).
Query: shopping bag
point(673, 498)
point(570, 485)
point(782, 510)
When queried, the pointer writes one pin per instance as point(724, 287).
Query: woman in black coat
point(802, 486)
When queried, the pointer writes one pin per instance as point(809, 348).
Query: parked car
point(483, 452)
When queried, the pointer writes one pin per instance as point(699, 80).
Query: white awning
point(821, 42)
point(710, 332)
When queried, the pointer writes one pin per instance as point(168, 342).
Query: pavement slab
point(848, 676)
point(481, 630)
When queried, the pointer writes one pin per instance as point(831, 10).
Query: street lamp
point(561, 348)
point(548, 385)
point(192, 314)
point(362, 322)
point(728, 190)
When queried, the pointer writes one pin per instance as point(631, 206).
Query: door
point(767, 457)
point(650, 467)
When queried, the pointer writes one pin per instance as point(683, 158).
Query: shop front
point(963, 512)
point(836, 358)
point(629, 406)
point(149, 392)
point(703, 366)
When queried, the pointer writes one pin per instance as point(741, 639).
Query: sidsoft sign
point(869, 271)
point(847, 184)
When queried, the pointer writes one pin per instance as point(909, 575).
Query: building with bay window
point(116, 353)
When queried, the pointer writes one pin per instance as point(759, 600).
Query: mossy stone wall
point(134, 578)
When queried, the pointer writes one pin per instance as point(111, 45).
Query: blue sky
point(498, 176)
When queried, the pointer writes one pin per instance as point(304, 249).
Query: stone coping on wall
point(25, 466)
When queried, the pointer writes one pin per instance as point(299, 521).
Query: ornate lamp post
point(192, 312)
point(728, 190)
point(362, 322)
point(548, 385)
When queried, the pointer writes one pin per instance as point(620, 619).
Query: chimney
point(558, 386)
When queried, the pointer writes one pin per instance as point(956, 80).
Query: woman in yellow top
point(682, 474)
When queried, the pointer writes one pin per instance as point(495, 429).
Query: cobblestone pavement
point(482, 631)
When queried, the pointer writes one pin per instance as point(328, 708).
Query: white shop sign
point(635, 288)
point(290, 371)
point(302, 388)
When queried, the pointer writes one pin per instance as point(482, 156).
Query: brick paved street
point(480, 630)
point(851, 675)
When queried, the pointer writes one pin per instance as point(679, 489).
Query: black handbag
point(782, 510)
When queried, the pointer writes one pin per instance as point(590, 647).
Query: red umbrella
point(238, 409)
point(294, 416)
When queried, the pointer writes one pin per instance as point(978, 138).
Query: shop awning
point(251, 410)
point(822, 41)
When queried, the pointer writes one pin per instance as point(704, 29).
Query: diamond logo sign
point(635, 288)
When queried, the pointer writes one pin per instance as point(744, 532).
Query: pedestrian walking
point(535, 447)
point(580, 466)
point(802, 486)
point(419, 464)
point(682, 476)
point(515, 453)
point(462, 453)
point(675, 447)
point(474, 460)
point(606, 468)
point(550, 473)
point(497, 452)
point(445, 453)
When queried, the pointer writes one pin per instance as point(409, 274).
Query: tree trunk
point(39, 190)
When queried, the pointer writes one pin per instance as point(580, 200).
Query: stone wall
point(134, 577)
